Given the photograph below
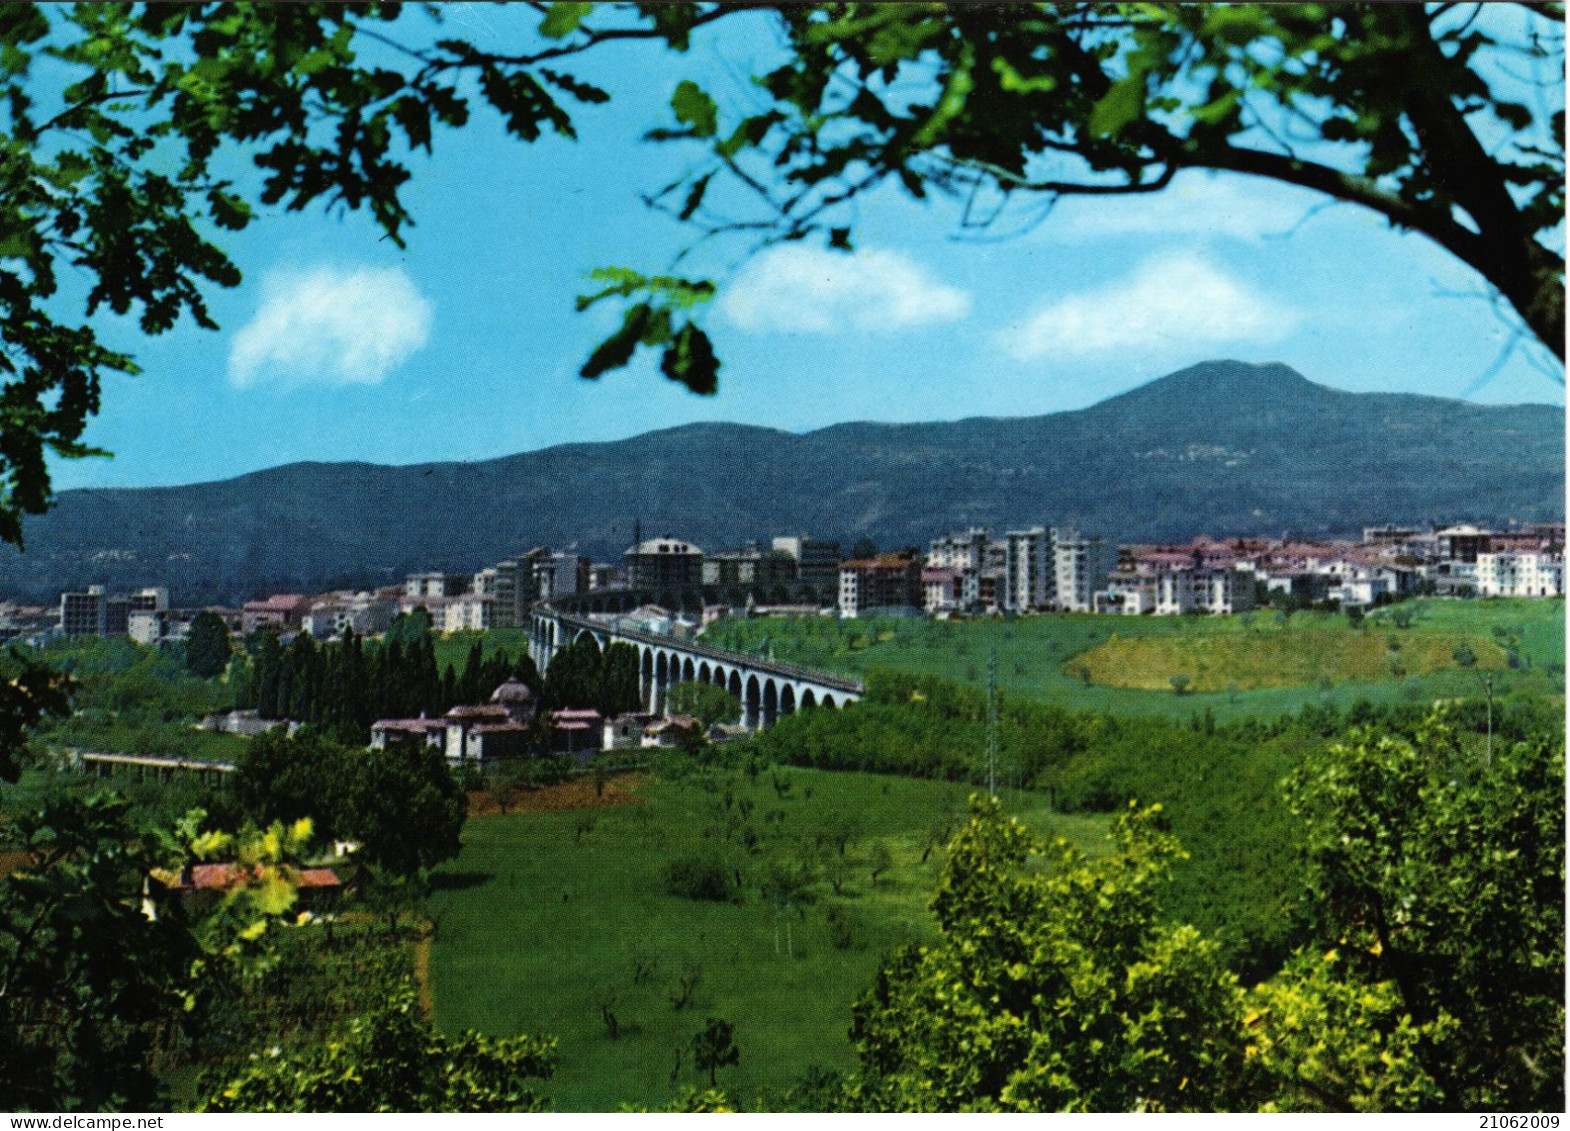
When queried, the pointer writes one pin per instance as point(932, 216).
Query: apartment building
point(892, 581)
point(1520, 575)
point(1081, 566)
point(664, 565)
point(1030, 570)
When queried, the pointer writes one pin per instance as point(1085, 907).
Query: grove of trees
point(1431, 977)
point(344, 686)
point(402, 806)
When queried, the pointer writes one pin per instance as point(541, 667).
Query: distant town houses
point(471, 734)
point(1029, 569)
point(28, 622)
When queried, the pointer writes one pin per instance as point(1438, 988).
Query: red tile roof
point(221, 877)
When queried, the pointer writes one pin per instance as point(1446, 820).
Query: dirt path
point(422, 977)
point(582, 794)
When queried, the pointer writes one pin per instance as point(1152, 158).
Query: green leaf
point(1013, 81)
point(1123, 103)
point(616, 351)
point(563, 19)
point(695, 196)
point(750, 132)
point(16, 245)
point(695, 108)
point(690, 360)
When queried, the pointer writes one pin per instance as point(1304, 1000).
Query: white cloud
point(337, 326)
point(800, 289)
point(1173, 300)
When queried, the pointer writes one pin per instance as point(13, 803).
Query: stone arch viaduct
point(766, 688)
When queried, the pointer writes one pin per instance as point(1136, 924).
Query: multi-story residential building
point(510, 585)
point(1389, 535)
point(966, 551)
point(749, 566)
point(1204, 590)
point(944, 590)
point(984, 590)
point(517, 583)
point(368, 614)
point(892, 581)
point(1080, 567)
point(664, 565)
point(281, 612)
point(82, 614)
point(1128, 592)
point(150, 600)
point(435, 584)
point(558, 574)
point(148, 626)
point(97, 613)
point(1520, 575)
point(1462, 543)
point(817, 559)
point(1030, 576)
point(470, 611)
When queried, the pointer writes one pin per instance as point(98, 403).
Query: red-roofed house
point(282, 611)
point(201, 886)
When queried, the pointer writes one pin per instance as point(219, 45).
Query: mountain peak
point(1229, 380)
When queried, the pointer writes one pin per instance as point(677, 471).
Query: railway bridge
point(766, 688)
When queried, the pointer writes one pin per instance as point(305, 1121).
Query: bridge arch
point(788, 699)
point(828, 701)
point(688, 672)
point(771, 703)
point(661, 682)
point(808, 700)
point(752, 701)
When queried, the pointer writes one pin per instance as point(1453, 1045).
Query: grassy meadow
point(550, 919)
point(1262, 663)
point(453, 648)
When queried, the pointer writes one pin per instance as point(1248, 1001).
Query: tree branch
point(1065, 188)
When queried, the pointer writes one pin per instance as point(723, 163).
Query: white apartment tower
point(1080, 567)
point(1030, 577)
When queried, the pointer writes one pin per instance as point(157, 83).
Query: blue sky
point(465, 346)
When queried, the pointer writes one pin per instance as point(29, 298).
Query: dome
point(513, 691)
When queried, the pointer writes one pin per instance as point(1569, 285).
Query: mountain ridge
point(1220, 447)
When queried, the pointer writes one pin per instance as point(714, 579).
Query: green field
point(158, 739)
point(453, 648)
point(1261, 664)
point(539, 927)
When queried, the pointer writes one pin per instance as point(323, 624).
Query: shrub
point(704, 878)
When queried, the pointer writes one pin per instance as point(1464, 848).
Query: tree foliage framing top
point(118, 123)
